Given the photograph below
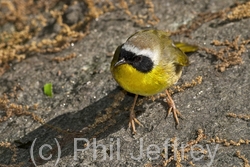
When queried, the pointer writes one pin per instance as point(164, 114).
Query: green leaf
point(47, 89)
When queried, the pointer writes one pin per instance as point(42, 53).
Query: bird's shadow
point(97, 120)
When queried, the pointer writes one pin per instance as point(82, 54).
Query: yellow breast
point(145, 84)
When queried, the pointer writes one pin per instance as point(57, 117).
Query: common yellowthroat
point(148, 63)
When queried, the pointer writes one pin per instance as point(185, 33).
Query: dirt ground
point(85, 122)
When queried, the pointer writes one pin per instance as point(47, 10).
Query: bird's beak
point(120, 62)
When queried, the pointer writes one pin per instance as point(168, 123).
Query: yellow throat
point(145, 84)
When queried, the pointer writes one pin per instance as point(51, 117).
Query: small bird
point(149, 63)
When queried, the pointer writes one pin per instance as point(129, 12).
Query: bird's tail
point(186, 48)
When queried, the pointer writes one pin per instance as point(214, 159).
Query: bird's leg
point(132, 118)
point(172, 109)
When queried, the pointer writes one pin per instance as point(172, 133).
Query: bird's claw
point(132, 121)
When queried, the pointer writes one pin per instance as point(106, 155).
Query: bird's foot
point(132, 122)
point(173, 109)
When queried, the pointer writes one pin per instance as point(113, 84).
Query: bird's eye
point(137, 58)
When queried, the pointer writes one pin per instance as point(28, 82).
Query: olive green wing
point(179, 57)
